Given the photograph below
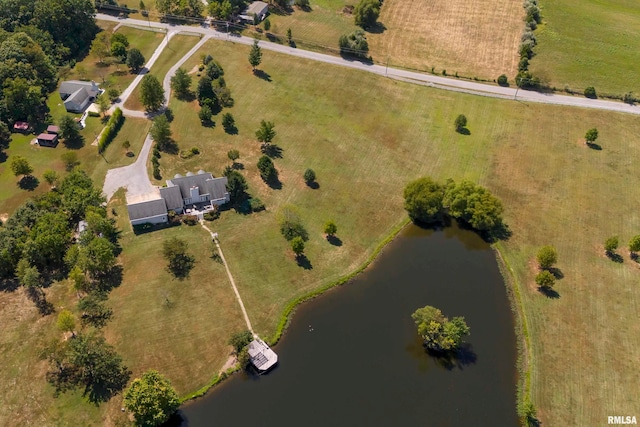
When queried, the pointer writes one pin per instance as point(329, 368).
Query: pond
point(352, 357)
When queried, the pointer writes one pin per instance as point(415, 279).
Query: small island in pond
point(438, 332)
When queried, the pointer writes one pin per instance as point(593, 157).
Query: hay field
point(472, 37)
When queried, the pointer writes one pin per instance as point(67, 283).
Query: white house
point(257, 9)
point(77, 94)
point(200, 192)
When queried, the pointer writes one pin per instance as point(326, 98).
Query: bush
point(256, 204)
point(211, 215)
point(291, 224)
point(503, 80)
point(611, 244)
point(190, 219)
point(545, 279)
point(547, 256)
point(195, 150)
point(156, 172)
point(309, 176)
point(460, 122)
point(590, 92)
point(93, 114)
point(113, 94)
point(354, 44)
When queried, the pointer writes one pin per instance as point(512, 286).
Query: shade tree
point(151, 93)
point(151, 399)
point(438, 332)
point(547, 256)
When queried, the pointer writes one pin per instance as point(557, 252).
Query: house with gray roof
point(77, 94)
point(193, 193)
point(255, 12)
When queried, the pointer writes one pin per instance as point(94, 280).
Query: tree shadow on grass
point(457, 359)
point(463, 131)
point(271, 150)
point(74, 143)
point(110, 279)
point(377, 28)
point(313, 185)
point(304, 262)
point(273, 38)
point(557, 273)
point(231, 130)
point(262, 75)
point(594, 146)
point(9, 285)
point(39, 298)
point(28, 182)
point(237, 166)
point(634, 257)
point(615, 257)
point(548, 292)
point(334, 240)
point(274, 183)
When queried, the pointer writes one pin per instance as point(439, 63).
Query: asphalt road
point(419, 78)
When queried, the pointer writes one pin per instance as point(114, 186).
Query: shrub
point(503, 80)
point(291, 224)
point(297, 245)
point(206, 60)
point(256, 204)
point(211, 215)
point(309, 176)
point(195, 150)
point(611, 244)
point(590, 92)
point(547, 256)
point(113, 94)
point(354, 44)
point(523, 65)
point(190, 219)
point(634, 244)
point(460, 122)
point(156, 172)
point(93, 114)
point(545, 279)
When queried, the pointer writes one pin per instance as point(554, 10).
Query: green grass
point(115, 74)
point(178, 46)
point(589, 43)
point(365, 137)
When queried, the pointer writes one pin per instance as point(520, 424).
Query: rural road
point(404, 75)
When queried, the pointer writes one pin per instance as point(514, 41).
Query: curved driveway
point(424, 79)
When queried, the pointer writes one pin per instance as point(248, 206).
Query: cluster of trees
point(223, 9)
point(354, 44)
point(438, 332)
point(524, 78)
point(191, 8)
point(63, 29)
point(547, 257)
point(116, 47)
point(212, 92)
point(612, 244)
point(427, 201)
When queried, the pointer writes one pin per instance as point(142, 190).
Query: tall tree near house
point(103, 103)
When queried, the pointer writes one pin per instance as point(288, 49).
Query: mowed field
point(589, 43)
point(476, 38)
point(366, 137)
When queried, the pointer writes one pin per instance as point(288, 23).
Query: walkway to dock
point(214, 237)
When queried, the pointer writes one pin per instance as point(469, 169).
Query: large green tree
point(366, 13)
point(473, 204)
point(267, 170)
point(70, 131)
point(152, 399)
point(20, 166)
point(423, 200)
point(179, 261)
point(151, 93)
point(237, 187)
point(134, 60)
point(354, 44)
point(181, 83)
point(438, 332)
point(161, 132)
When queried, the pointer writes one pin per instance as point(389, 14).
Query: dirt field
point(476, 38)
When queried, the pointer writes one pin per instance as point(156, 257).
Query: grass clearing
point(178, 46)
point(589, 43)
point(555, 191)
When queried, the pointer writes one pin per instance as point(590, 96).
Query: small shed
point(256, 10)
point(48, 139)
point(261, 355)
point(22, 127)
point(53, 129)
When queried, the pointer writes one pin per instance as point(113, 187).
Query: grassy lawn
point(115, 74)
point(178, 46)
point(365, 137)
point(589, 43)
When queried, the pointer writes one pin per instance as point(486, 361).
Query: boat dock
point(262, 357)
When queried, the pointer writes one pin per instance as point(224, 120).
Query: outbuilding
point(47, 139)
point(256, 11)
